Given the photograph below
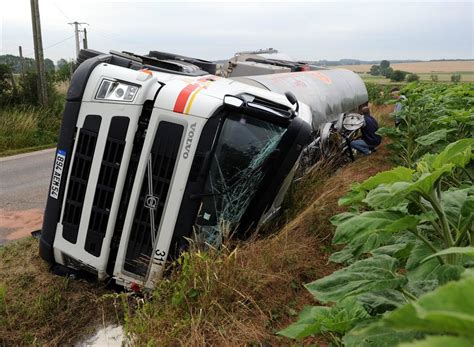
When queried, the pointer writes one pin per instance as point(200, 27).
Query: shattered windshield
point(236, 171)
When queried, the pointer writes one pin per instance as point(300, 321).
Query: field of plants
point(406, 242)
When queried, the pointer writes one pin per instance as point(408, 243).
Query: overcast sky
point(215, 30)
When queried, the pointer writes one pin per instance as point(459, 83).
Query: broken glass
point(238, 166)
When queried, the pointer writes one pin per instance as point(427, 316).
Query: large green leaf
point(433, 137)
point(341, 217)
point(372, 274)
point(387, 195)
point(359, 227)
point(309, 323)
point(371, 334)
point(439, 341)
point(354, 196)
point(458, 204)
point(398, 174)
point(458, 153)
point(452, 250)
point(382, 301)
point(400, 248)
point(339, 318)
point(426, 182)
point(417, 271)
point(345, 254)
point(447, 310)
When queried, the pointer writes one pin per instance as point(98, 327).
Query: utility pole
point(22, 61)
point(38, 44)
point(76, 33)
point(84, 41)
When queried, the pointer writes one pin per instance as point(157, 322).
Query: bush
point(5, 84)
point(434, 78)
point(456, 78)
point(397, 76)
point(413, 77)
point(375, 70)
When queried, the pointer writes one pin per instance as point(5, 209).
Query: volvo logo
point(151, 202)
point(189, 140)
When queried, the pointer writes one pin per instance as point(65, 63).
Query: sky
point(216, 30)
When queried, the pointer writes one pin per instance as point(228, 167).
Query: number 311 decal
point(160, 257)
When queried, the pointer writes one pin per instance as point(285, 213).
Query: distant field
point(429, 67)
point(442, 77)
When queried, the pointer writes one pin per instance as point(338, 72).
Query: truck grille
point(106, 183)
point(79, 176)
point(153, 196)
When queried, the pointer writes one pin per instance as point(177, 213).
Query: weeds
point(40, 308)
point(27, 126)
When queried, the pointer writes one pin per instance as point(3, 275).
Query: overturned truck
point(156, 151)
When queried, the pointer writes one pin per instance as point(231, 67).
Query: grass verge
point(24, 128)
point(39, 308)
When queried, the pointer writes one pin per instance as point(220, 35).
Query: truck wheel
point(85, 54)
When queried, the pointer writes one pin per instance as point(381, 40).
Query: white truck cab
point(149, 158)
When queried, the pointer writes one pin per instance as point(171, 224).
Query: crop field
point(443, 69)
point(407, 236)
point(466, 66)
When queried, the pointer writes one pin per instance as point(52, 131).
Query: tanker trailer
point(153, 153)
point(328, 93)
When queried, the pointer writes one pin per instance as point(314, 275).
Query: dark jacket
point(368, 131)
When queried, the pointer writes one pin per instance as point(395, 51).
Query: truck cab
point(150, 158)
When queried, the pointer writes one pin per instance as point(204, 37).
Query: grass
point(240, 295)
point(24, 128)
point(39, 308)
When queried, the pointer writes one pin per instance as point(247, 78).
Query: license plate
point(57, 173)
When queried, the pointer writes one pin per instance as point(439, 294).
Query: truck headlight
point(116, 91)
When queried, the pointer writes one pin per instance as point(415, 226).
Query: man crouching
point(368, 140)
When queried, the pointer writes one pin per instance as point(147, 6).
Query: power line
point(62, 12)
point(50, 46)
point(57, 43)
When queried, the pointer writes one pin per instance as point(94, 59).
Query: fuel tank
point(327, 92)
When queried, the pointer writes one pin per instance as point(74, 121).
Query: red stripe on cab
point(183, 97)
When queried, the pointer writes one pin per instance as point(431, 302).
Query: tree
point(61, 62)
point(5, 85)
point(413, 77)
point(434, 78)
point(397, 76)
point(384, 64)
point(456, 78)
point(64, 71)
point(375, 70)
point(49, 65)
point(387, 72)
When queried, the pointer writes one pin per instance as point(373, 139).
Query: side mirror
point(292, 99)
point(233, 101)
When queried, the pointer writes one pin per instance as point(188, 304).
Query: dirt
point(18, 224)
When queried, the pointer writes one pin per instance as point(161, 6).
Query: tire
point(85, 54)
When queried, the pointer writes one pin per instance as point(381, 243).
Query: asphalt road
point(24, 182)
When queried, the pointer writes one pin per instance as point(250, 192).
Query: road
point(24, 182)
